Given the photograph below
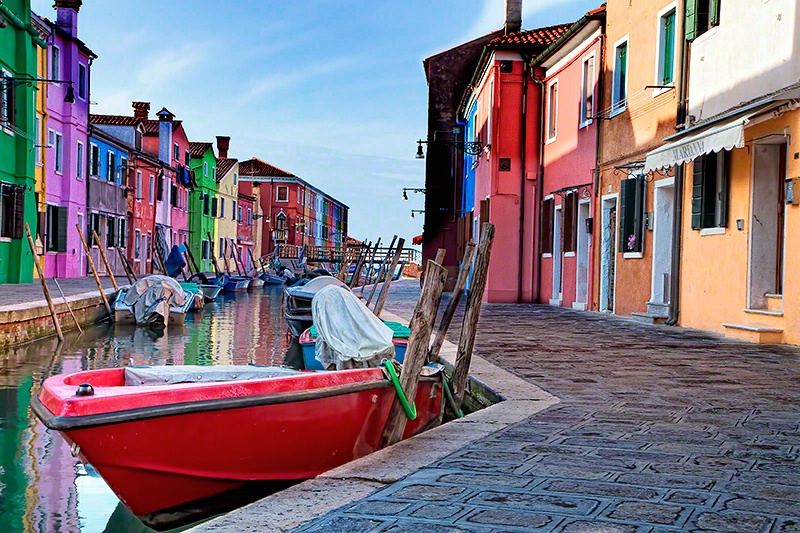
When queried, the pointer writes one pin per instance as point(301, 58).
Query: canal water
point(43, 488)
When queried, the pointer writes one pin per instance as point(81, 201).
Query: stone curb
point(356, 480)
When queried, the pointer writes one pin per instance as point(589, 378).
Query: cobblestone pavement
point(659, 429)
point(15, 294)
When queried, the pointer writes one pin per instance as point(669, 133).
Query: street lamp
point(468, 147)
point(421, 211)
point(406, 189)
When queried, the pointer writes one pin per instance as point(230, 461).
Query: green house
point(18, 42)
point(202, 203)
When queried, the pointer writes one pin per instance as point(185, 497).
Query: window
point(204, 253)
point(137, 139)
point(38, 129)
point(138, 184)
point(631, 214)
point(280, 222)
point(95, 225)
point(173, 196)
point(111, 171)
point(282, 194)
point(619, 89)
point(123, 170)
point(249, 217)
point(214, 173)
point(701, 16)
point(79, 162)
point(222, 208)
point(137, 245)
point(111, 234)
point(710, 191)
point(666, 49)
point(187, 157)
point(205, 168)
point(122, 226)
point(233, 213)
point(214, 207)
point(59, 148)
point(206, 204)
point(587, 92)
point(235, 178)
point(56, 222)
point(7, 102)
point(552, 109)
point(239, 215)
point(12, 210)
point(176, 152)
point(160, 187)
point(570, 222)
point(152, 188)
point(82, 81)
point(55, 63)
point(94, 160)
point(149, 247)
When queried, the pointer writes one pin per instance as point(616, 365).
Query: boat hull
point(308, 347)
point(164, 456)
point(256, 283)
point(210, 292)
point(236, 285)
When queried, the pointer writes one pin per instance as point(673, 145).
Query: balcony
point(280, 235)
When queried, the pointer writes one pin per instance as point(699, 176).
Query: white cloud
point(492, 15)
point(275, 82)
point(171, 64)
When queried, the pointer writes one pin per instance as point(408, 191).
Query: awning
point(726, 135)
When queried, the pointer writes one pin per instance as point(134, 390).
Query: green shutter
point(690, 21)
point(723, 192)
point(638, 213)
point(61, 229)
point(624, 207)
point(697, 193)
point(669, 49)
point(19, 213)
point(713, 15)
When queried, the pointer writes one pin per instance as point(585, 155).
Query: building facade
point(227, 227)
point(202, 230)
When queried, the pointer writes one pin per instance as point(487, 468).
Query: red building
point(572, 66)
point(244, 226)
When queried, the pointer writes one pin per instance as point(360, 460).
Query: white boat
point(155, 301)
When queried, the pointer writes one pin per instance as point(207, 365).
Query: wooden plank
point(389, 277)
point(363, 252)
point(417, 351)
point(381, 270)
point(94, 271)
point(472, 312)
point(45, 290)
point(461, 281)
point(105, 260)
point(368, 275)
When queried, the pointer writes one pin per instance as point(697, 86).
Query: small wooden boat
point(210, 292)
point(236, 284)
point(154, 301)
point(210, 284)
point(272, 279)
point(308, 344)
point(255, 283)
point(162, 437)
point(198, 300)
point(297, 302)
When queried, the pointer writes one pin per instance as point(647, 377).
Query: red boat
point(162, 437)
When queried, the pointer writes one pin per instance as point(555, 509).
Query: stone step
point(647, 318)
point(757, 333)
point(658, 309)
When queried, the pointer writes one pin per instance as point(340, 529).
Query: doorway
point(663, 206)
point(608, 253)
point(557, 257)
point(767, 221)
point(582, 268)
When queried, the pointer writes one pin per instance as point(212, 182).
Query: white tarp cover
point(348, 334)
point(146, 292)
point(724, 136)
point(171, 374)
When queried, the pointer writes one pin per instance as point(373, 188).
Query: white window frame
point(152, 189)
point(277, 193)
point(552, 111)
point(139, 185)
point(660, 52)
point(58, 146)
point(616, 109)
point(79, 161)
point(123, 170)
point(92, 148)
point(55, 66)
point(205, 169)
point(111, 171)
point(235, 178)
point(176, 152)
point(584, 120)
point(137, 244)
point(221, 207)
point(85, 80)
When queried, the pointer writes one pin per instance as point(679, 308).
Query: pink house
point(504, 178)
point(572, 66)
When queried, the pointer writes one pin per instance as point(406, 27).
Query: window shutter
point(623, 214)
point(160, 187)
point(546, 230)
point(713, 15)
point(61, 229)
point(213, 207)
point(690, 21)
point(19, 213)
point(110, 232)
point(638, 214)
point(205, 204)
point(722, 161)
point(697, 193)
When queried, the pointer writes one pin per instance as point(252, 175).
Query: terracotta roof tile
point(199, 149)
point(114, 120)
point(538, 37)
point(224, 165)
point(257, 167)
point(151, 126)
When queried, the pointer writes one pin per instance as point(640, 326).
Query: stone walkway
point(659, 429)
point(25, 293)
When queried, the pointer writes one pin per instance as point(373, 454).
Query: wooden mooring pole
point(461, 281)
point(389, 277)
point(126, 266)
point(94, 271)
point(417, 351)
point(381, 270)
point(368, 275)
point(217, 271)
point(45, 290)
point(472, 312)
point(105, 260)
point(69, 308)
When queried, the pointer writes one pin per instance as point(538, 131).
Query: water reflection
point(42, 487)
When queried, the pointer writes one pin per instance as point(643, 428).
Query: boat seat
point(170, 374)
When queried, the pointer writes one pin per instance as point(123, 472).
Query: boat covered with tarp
point(297, 301)
point(155, 301)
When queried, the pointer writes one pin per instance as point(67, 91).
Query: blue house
point(107, 201)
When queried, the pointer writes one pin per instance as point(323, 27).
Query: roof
point(257, 167)
point(199, 149)
point(595, 15)
point(541, 36)
point(114, 120)
point(151, 126)
point(224, 165)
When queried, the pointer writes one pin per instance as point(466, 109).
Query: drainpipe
point(539, 182)
point(526, 58)
point(677, 222)
point(596, 231)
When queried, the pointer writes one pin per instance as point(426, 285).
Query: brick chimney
point(513, 16)
point(165, 119)
point(67, 15)
point(141, 109)
point(223, 143)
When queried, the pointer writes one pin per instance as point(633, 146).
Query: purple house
point(68, 154)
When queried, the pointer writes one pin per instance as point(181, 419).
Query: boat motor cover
point(147, 291)
point(348, 333)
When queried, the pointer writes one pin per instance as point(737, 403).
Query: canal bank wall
point(355, 481)
point(24, 320)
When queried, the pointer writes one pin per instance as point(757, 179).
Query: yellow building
point(40, 154)
point(227, 195)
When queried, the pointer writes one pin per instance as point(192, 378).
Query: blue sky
point(330, 90)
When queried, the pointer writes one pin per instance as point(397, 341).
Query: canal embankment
point(25, 315)
point(352, 482)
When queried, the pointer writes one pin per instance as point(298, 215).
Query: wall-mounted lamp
point(406, 189)
point(420, 211)
point(69, 98)
point(468, 147)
